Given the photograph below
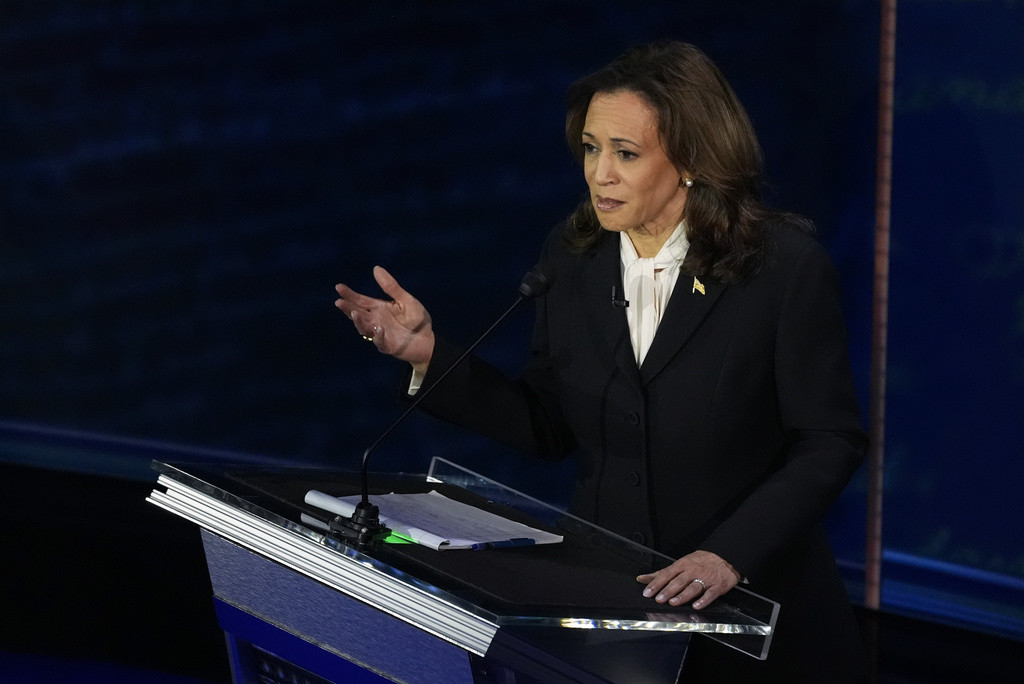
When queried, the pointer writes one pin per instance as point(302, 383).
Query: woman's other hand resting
point(700, 575)
point(400, 327)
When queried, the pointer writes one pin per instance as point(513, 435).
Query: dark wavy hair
point(706, 133)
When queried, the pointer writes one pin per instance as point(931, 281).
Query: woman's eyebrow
point(617, 140)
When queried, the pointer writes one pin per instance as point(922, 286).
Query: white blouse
point(648, 285)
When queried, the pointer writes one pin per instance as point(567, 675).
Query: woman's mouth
point(607, 203)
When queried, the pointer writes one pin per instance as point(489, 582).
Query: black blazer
point(735, 436)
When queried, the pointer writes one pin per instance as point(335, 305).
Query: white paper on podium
point(434, 520)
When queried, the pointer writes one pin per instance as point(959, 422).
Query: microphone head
point(537, 282)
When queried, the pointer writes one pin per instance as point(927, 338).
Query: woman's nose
point(605, 172)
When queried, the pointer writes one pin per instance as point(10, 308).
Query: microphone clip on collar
point(616, 302)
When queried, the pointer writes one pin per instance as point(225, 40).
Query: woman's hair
point(707, 134)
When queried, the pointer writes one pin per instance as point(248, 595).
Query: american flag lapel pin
point(697, 286)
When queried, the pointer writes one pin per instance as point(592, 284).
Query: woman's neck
point(648, 244)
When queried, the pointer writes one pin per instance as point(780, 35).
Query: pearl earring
point(688, 182)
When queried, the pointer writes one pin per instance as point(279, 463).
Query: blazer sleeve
point(523, 413)
point(819, 415)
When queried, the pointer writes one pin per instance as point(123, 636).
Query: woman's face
point(633, 185)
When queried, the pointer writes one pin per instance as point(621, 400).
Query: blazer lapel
point(605, 321)
point(687, 307)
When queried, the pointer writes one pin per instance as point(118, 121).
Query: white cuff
point(415, 382)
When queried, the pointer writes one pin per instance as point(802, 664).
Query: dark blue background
point(182, 183)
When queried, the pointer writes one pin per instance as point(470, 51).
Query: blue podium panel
point(336, 625)
point(261, 653)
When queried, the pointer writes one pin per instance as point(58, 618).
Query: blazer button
point(634, 418)
point(634, 478)
point(639, 537)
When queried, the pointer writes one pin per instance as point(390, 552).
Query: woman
point(691, 351)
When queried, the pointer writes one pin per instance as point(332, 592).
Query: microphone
point(364, 527)
point(616, 302)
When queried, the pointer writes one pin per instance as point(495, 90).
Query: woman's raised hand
point(400, 327)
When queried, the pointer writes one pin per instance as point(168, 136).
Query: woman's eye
point(626, 155)
point(589, 148)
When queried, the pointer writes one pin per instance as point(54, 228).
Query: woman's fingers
point(388, 284)
point(364, 326)
point(404, 306)
point(672, 584)
point(401, 301)
point(708, 596)
point(683, 589)
point(347, 294)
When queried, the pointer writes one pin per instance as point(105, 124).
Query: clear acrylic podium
point(298, 605)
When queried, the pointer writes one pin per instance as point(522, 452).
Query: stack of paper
point(434, 520)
